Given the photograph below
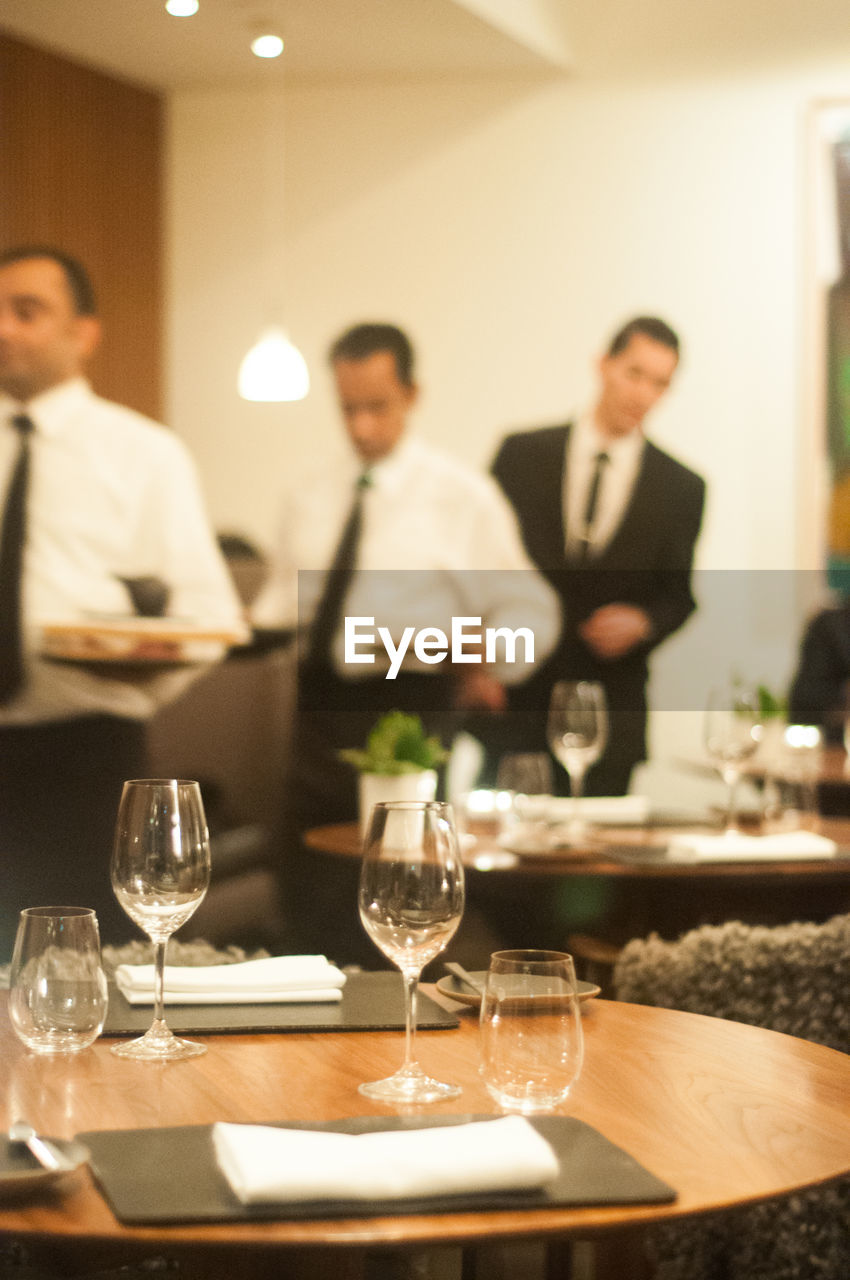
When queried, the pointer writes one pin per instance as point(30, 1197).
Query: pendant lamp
point(274, 369)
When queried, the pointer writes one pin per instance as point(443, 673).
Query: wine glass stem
point(411, 987)
point(576, 777)
point(732, 777)
point(159, 980)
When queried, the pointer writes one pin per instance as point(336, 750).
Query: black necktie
point(329, 609)
point(12, 539)
point(592, 503)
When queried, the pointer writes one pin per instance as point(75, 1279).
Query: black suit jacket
point(819, 690)
point(647, 563)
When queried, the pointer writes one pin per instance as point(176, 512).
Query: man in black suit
point(612, 521)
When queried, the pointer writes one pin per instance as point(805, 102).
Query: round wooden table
point(726, 1114)
point(643, 891)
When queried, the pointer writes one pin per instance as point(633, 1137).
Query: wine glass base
point(577, 834)
point(158, 1045)
point(409, 1086)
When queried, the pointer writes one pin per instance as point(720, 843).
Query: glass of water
point(57, 996)
point(532, 1044)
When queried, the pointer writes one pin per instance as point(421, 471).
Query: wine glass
point(160, 873)
point(732, 732)
point(411, 901)
point(577, 733)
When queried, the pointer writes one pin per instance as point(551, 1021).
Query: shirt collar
point(49, 409)
point(386, 473)
point(589, 441)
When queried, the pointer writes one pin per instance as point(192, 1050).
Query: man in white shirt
point(436, 541)
point(111, 496)
point(612, 521)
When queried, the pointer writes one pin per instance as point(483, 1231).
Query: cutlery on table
point(48, 1155)
point(459, 972)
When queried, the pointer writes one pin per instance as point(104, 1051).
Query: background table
point(640, 890)
point(725, 1113)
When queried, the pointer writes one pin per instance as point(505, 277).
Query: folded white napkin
point(788, 845)
point(276, 980)
point(266, 1165)
point(615, 810)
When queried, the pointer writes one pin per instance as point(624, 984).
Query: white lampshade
point(273, 370)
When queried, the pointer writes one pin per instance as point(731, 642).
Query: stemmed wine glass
point(411, 901)
point(732, 732)
point(577, 733)
point(160, 873)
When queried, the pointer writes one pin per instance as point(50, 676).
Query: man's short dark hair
point(364, 340)
point(79, 282)
point(649, 327)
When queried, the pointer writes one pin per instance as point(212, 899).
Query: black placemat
point(171, 1175)
point(370, 1002)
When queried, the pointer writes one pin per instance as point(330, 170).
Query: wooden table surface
point(344, 840)
point(725, 1113)
point(642, 892)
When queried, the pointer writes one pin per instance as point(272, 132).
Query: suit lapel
point(550, 515)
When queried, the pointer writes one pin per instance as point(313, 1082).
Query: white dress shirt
point(439, 540)
point(619, 474)
point(111, 493)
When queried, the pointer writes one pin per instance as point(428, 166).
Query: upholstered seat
point(792, 978)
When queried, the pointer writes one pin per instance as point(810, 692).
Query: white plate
point(456, 989)
point(137, 640)
point(20, 1172)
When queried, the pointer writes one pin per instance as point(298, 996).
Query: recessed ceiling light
point(267, 46)
point(182, 8)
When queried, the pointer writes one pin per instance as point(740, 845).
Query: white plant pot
point(375, 787)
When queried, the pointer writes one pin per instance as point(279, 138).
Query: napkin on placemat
point(156, 1176)
point(267, 1165)
point(276, 980)
point(614, 810)
point(736, 847)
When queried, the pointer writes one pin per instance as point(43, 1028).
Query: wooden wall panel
point(81, 167)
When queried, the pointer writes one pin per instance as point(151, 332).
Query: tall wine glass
point(732, 735)
point(411, 901)
point(577, 733)
point(160, 873)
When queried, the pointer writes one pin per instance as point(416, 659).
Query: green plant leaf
point(397, 744)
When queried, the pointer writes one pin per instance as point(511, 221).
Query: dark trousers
point(60, 784)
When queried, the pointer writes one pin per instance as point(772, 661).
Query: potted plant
point(399, 762)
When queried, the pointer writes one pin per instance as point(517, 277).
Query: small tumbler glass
point(57, 996)
point(532, 1044)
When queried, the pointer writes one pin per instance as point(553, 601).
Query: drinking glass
point(57, 997)
point(526, 776)
point(732, 735)
point(160, 873)
point(411, 901)
point(532, 1043)
point(577, 732)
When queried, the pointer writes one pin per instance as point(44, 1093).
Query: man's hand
point(478, 691)
point(615, 629)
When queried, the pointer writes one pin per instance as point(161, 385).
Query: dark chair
point(231, 731)
point(792, 978)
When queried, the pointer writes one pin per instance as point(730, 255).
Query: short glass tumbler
point(57, 986)
point(532, 1044)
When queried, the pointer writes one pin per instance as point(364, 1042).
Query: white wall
point(509, 225)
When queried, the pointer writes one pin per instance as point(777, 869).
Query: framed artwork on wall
point(825, 472)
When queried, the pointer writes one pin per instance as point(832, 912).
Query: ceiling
point(352, 39)
point(137, 40)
